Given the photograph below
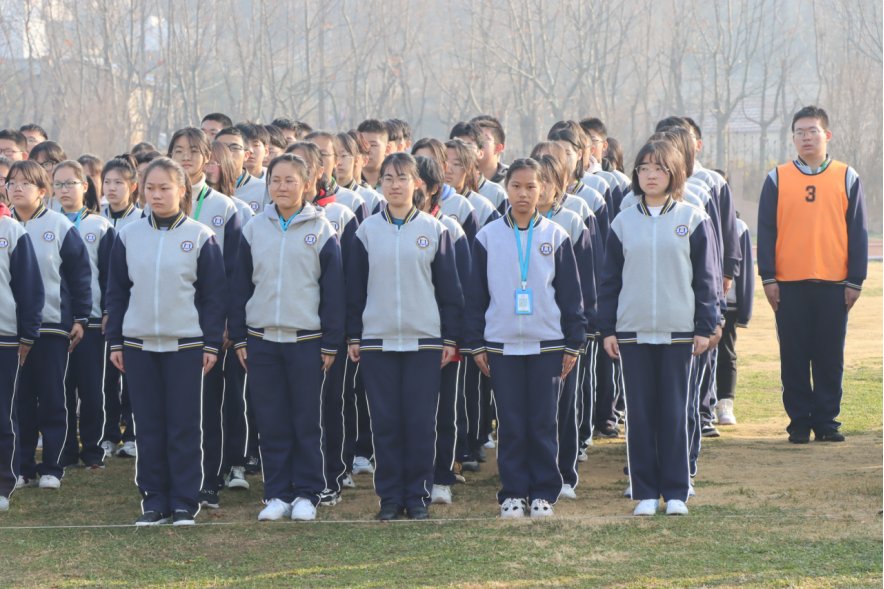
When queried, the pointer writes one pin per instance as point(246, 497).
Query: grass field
point(767, 514)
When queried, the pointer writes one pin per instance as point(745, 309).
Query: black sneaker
point(182, 517)
point(209, 498)
point(389, 512)
point(253, 465)
point(152, 518)
point(707, 430)
point(418, 512)
point(329, 498)
point(799, 437)
point(607, 432)
point(829, 436)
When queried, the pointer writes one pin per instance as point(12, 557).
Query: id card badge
point(524, 301)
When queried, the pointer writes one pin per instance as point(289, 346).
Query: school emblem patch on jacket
point(546, 248)
point(186, 246)
point(423, 242)
point(91, 237)
point(48, 236)
point(681, 230)
point(310, 239)
point(4, 242)
point(217, 220)
point(254, 206)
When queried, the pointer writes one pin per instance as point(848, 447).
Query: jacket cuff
point(26, 341)
point(854, 284)
point(765, 280)
point(211, 348)
point(240, 344)
point(328, 351)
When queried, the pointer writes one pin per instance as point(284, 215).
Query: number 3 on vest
point(811, 194)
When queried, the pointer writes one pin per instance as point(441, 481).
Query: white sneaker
point(512, 508)
point(274, 510)
point(47, 481)
point(725, 412)
point(567, 492)
point(362, 465)
point(627, 492)
point(4, 503)
point(676, 507)
point(127, 450)
point(691, 491)
point(21, 482)
point(582, 455)
point(441, 494)
point(541, 508)
point(303, 509)
point(490, 444)
point(108, 448)
point(237, 478)
point(347, 482)
point(646, 507)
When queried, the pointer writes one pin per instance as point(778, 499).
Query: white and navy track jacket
point(350, 199)
point(343, 221)
point(579, 206)
point(584, 241)
point(461, 255)
point(557, 324)
point(252, 191)
point(620, 184)
point(485, 211)
point(219, 214)
point(64, 268)
point(21, 288)
point(289, 284)
point(243, 209)
point(373, 199)
point(98, 234)
point(658, 284)
point(123, 218)
point(721, 195)
point(404, 294)
point(739, 297)
point(495, 193)
point(459, 208)
point(597, 205)
point(167, 289)
point(601, 185)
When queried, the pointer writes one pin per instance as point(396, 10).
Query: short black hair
point(670, 122)
point(253, 132)
point(403, 127)
point(812, 112)
point(277, 138)
point(52, 150)
point(694, 127)
point(373, 126)
point(492, 124)
point(34, 128)
point(595, 125)
point(218, 118)
point(231, 131)
point(394, 130)
point(471, 130)
point(300, 128)
point(12, 135)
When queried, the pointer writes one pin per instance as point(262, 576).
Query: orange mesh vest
point(811, 224)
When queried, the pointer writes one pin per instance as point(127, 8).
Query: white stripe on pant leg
point(221, 415)
point(558, 442)
point(202, 439)
point(245, 412)
point(375, 471)
point(64, 388)
point(578, 390)
point(626, 406)
point(593, 385)
point(687, 428)
point(322, 430)
point(137, 458)
point(341, 474)
point(427, 492)
point(12, 425)
point(103, 397)
point(456, 391)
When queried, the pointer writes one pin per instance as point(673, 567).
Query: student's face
point(190, 158)
point(47, 163)
point(398, 187)
point(547, 194)
point(4, 172)
point(327, 151)
point(238, 150)
point(286, 187)
point(163, 193)
point(11, 150)
point(653, 179)
point(378, 148)
point(346, 163)
point(33, 138)
point(810, 139)
point(211, 128)
point(68, 189)
point(523, 191)
point(315, 175)
point(480, 153)
point(571, 155)
point(455, 173)
point(255, 158)
point(213, 171)
point(117, 190)
point(492, 147)
point(23, 193)
point(597, 146)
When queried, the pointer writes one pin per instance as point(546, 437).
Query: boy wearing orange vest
point(812, 258)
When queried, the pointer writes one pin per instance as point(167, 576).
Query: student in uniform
point(23, 297)
point(256, 140)
point(289, 343)
point(166, 313)
point(525, 327)
point(576, 397)
point(247, 188)
point(589, 164)
point(738, 314)
point(13, 145)
point(222, 174)
point(5, 164)
point(495, 142)
point(92, 166)
point(142, 160)
point(473, 136)
point(47, 154)
point(452, 377)
point(328, 150)
point(348, 170)
point(276, 145)
point(64, 268)
point(190, 149)
point(84, 381)
point(119, 181)
point(377, 137)
point(394, 135)
point(462, 174)
point(34, 134)
point(214, 122)
point(404, 298)
point(345, 223)
point(657, 308)
point(566, 200)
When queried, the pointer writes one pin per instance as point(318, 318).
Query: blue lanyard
point(76, 220)
point(283, 224)
point(550, 212)
point(524, 256)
